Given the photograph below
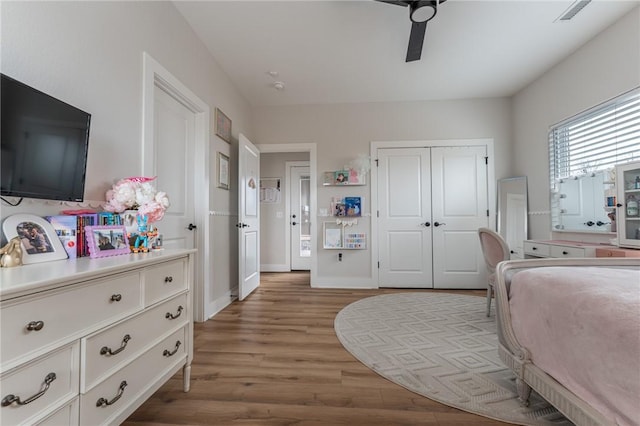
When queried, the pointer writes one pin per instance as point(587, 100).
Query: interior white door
point(299, 218)
point(174, 139)
point(460, 207)
point(248, 217)
point(404, 224)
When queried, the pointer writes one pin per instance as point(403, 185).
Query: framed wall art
point(223, 171)
point(38, 238)
point(223, 126)
point(107, 240)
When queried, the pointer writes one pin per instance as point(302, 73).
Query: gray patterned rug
point(441, 346)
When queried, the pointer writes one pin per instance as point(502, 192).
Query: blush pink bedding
point(582, 327)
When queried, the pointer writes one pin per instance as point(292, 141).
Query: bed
point(570, 329)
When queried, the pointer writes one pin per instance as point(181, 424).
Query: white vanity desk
point(87, 341)
point(564, 248)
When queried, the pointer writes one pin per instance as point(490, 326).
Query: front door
point(248, 217)
point(459, 205)
point(404, 224)
point(299, 217)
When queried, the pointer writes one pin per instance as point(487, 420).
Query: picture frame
point(223, 126)
point(223, 171)
point(332, 235)
point(38, 238)
point(107, 240)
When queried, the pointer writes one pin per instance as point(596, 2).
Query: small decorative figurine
point(142, 240)
point(11, 254)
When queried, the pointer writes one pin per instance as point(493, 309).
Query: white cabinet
point(628, 215)
point(558, 249)
point(87, 341)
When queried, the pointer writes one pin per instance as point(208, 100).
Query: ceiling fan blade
point(396, 2)
point(416, 39)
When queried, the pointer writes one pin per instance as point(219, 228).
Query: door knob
point(436, 224)
point(590, 223)
point(293, 216)
point(242, 225)
point(426, 224)
point(294, 223)
point(191, 227)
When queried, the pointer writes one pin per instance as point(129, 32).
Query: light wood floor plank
point(274, 359)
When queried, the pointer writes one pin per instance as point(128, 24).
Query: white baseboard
point(222, 302)
point(346, 282)
point(275, 268)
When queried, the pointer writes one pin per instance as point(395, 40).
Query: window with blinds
point(596, 139)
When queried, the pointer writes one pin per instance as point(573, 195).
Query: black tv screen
point(44, 144)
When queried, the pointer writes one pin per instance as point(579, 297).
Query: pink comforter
point(582, 327)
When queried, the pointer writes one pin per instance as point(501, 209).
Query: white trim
point(345, 283)
point(311, 148)
point(220, 303)
point(275, 268)
point(375, 145)
point(155, 74)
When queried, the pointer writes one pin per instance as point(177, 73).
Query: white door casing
point(248, 217)
point(297, 175)
point(165, 97)
point(404, 218)
point(459, 203)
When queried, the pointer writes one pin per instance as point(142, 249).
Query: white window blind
point(596, 139)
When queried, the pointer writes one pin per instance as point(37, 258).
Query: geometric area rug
point(441, 346)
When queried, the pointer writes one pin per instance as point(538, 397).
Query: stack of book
point(70, 228)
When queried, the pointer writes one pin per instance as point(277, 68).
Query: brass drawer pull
point(103, 401)
point(35, 325)
point(107, 351)
point(10, 399)
point(116, 297)
point(168, 354)
point(168, 279)
point(171, 316)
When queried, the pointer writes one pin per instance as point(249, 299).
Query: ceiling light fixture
point(422, 11)
point(278, 85)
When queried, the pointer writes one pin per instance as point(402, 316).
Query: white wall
point(89, 54)
point(344, 131)
point(603, 68)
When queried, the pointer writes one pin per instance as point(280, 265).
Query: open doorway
point(278, 189)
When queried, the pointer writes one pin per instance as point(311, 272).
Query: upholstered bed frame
point(518, 358)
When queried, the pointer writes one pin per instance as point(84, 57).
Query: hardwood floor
point(274, 359)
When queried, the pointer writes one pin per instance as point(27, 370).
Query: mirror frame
point(506, 186)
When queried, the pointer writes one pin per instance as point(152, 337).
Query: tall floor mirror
point(512, 213)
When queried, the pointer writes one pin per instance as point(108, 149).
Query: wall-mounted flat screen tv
point(44, 144)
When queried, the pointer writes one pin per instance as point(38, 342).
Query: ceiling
point(354, 51)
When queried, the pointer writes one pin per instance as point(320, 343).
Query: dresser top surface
point(27, 279)
point(571, 243)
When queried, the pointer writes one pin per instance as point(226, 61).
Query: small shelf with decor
point(335, 236)
point(343, 178)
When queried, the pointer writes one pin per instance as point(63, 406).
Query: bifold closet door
point(459, 205)
point(404, 223)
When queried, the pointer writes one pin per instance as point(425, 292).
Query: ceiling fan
point(420, 12)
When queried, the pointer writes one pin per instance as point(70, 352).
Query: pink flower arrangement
point(137, 193)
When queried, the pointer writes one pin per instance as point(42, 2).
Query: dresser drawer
point(143, 330)
point(59, 368)
point(564, 251)
point(33, 324)
point(67, 415)
point(603, 252)
point(101, 405)
point(164, 280)
point(536, 249)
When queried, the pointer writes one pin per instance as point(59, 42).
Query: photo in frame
point(223, 126)
point(107, 240)
point(223, 171)
point(38, 238)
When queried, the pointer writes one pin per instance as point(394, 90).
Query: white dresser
point(87, 341)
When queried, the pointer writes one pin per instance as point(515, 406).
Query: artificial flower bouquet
point(137, 193)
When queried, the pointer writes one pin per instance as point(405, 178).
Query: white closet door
point(459, 205)
point(404, 198)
